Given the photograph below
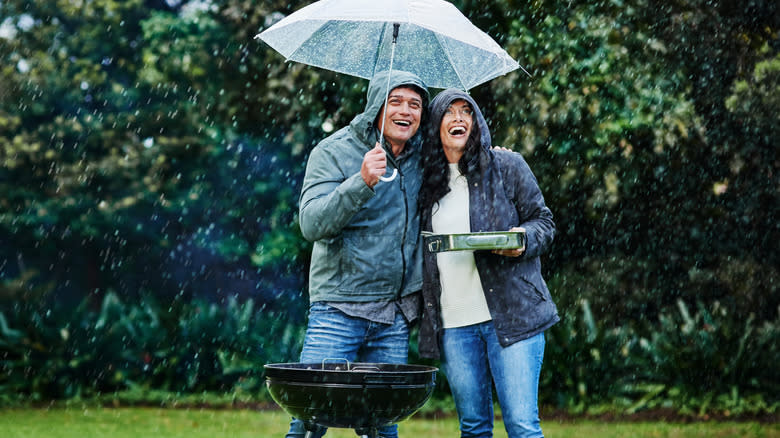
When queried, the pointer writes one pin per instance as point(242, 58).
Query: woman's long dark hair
point(436, 170)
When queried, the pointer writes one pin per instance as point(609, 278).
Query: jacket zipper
point(403, 239)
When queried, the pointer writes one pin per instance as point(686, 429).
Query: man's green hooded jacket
point(366, 241)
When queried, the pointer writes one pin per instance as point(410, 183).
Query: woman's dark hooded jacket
point(503, 193)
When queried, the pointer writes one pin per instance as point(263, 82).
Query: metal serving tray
point(474, 241)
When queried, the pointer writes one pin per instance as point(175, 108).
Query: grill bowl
point(350, 395)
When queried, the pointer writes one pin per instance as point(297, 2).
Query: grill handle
point(385, 379)
point(328, 359)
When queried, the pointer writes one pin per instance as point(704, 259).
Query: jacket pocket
point(537, 285)
point(370, 264)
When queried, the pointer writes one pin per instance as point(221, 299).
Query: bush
point(629, 340)
point(62, 353)
point(712, 360)
point(585, 362)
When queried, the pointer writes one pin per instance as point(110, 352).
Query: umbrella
point(435, 41)
point(430, 38)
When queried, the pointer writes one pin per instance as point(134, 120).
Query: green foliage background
point(151, 155)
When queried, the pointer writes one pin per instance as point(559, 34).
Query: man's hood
point(442, 101)
point(363, 123)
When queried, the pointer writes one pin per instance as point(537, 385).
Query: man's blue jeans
point(332, 334)
point(471, 355)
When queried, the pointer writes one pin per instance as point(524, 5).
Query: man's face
point(404, 109)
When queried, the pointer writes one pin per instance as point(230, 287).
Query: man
point(366, 266)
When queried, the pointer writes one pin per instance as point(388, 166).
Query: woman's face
point(455, 129)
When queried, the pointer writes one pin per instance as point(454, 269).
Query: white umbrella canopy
point(355, 37)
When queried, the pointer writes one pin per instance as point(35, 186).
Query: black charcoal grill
point(340, 394)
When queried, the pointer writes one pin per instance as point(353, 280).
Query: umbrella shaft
point(396, 26)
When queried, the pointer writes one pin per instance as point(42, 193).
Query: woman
point(485, 312)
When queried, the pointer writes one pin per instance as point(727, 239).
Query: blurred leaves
point(152, 148)
point(187, 347)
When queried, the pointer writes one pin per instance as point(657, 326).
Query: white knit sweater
point(462, 299)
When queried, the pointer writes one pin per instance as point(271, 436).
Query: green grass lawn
point(194, 423)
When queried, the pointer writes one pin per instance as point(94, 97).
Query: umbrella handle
point(391, 177)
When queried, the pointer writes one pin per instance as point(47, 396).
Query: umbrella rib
point(300, 46)
point(449, 58)
point(379, 47)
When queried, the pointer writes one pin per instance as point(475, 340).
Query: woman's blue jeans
point(471, 357)
point(332, 334)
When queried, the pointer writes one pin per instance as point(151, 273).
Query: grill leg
point(367, 432)
point(311, 434)
point(313, 430)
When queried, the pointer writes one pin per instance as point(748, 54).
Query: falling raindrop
point(25, 22)
point(23, 66)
